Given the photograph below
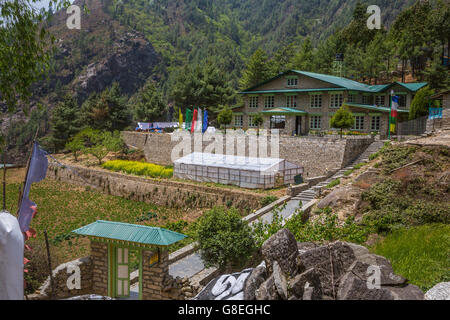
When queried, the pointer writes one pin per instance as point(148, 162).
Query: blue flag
point(36, 172)
point(205, 121)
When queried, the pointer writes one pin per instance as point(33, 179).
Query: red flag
point(194, 120)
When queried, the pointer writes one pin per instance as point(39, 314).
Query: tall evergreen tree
point(257, 70)
point(65, 123)
point(303, 60)
point(107, 111)
point(149, 105)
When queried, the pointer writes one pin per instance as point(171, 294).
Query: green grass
point(359, 165)
point(334, 183)
point(63, 207)
point(420, 254)
point(348, 172)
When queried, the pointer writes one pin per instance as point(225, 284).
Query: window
point(336, 100)
point(251, 124)
point(316, 122)
point(291, 101)
point(359, 123)
point(316, 101)
point(292, 82)
point(278, 122)
point(375, 126)
point(367, 100)
point(269, 101)
point(402, 101)
point(380, 100)
point(253, 102)
point(238, 121)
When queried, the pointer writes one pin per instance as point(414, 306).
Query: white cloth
point(11, 258)
point(144, 126)
point(199, 123)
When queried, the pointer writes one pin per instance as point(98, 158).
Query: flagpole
point(26, 175)
point(390, 114)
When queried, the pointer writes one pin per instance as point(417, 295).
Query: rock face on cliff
point(305, 271)
point(102, 52)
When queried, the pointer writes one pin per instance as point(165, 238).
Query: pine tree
point(282, 60)
point(303, 60)
point(257, 70)
point(65, 123)
point(107, 111)
point(149, 106)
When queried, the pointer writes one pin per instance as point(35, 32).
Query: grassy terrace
point(63, 207)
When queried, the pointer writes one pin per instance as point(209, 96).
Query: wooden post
point(49, 264)
point(4, 181)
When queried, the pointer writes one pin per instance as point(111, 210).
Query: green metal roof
point(413, 86)
point(343, 83)
point(284, 111)
point(373, 107)
point(131, 233)
point(291, 90)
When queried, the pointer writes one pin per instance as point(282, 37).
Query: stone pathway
point(308, 195)
point(192, 264)
point(187, 267)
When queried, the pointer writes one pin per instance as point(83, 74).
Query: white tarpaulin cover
point(11, 258)
point(245, 172)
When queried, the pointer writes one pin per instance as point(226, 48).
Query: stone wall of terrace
point(316, 154)
point(168, 193)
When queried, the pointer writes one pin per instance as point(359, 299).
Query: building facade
point(298, 102)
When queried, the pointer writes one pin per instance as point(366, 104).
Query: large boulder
point(267, 290)
point(307, 281)
point(282, 248)
point(354, 288)
point(225, 287)
point(280, 281)
point(254, 281)
point(329, 262)
point(441, 291)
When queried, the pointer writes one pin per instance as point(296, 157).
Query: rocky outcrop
point(305, 271)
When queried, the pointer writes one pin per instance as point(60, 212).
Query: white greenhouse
point(245, 172)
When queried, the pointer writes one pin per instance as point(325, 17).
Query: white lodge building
point(297, 102)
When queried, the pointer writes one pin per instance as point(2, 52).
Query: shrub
point(325, 228)
point(359, 165)
point(342, 119)
point(334, 183)
point(139, 168)
point(268, 200)
point(224, 238)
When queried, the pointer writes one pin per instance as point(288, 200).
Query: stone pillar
point(153, 276)
point(99, 255)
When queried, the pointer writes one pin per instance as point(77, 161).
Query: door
point(122, 273)
point(298, 125)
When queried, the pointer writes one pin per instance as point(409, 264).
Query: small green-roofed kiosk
point(117, 248)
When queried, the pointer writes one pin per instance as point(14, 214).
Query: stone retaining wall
point(64, 281)
point(316, 154)
point(166, 193)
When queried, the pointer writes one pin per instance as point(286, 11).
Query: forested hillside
point(170, 54)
